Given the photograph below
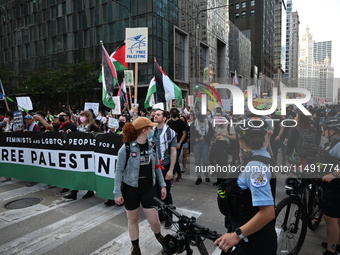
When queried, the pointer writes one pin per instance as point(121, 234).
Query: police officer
point(250, 196)
point(330, 155)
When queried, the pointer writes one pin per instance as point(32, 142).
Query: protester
point(137, 173)
point(302, 141)
point(220, 148)
point(86, 125)
point(166, 143)
point(123, 119)
point(185, 144)
point(30, 124)
point(176, 124)
point(66, 125)
point(201, 135)
point(7, 124)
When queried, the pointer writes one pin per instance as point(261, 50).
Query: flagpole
point(3, 94)
point(6, 103)
point(136, 83)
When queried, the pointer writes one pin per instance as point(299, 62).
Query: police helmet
point(252, 126)
point(332, 123)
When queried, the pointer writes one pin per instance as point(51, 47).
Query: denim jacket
point(130, 174)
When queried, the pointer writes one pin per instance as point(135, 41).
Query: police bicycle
point(301, 209)
point(188, 233)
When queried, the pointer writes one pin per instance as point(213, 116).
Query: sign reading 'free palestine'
point(136, 45)
point(78, 161)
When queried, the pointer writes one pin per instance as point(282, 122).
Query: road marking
point(51, 236)
point(148, 243)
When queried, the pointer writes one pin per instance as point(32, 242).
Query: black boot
point(64, 190)
point(71, 195)
point(110, 202)
point(88, 194)
point(198, 181)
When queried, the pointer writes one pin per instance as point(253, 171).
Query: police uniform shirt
point(335, 151)
point(256, 177)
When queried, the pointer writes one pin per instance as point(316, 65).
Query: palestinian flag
point(109, 79)
point(118, 58)
point(161, 88)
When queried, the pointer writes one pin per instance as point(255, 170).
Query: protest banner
point(78, 161)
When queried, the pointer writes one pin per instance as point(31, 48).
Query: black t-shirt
point(145, 164)
point(178, 126)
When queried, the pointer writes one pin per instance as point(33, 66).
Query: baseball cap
point(143, 122)
point(28, 117)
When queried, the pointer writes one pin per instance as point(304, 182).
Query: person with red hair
point(137, 178)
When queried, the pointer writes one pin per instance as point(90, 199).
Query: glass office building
point(39, 34)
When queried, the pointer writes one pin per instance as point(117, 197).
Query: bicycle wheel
point(315, 205)
point(290, 225)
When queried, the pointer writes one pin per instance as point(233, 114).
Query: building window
point(181, 55)
point(252, 12)
point(237, 15)
point(237, 6)
point(252, 3)
point(244, 5)
point(243, 14)
point(204, 58)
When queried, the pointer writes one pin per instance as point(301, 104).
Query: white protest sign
point(93, 106)
point(117, 109)
point(158, 106)
point(136, 45)
point(113, 123)
point(24, 102)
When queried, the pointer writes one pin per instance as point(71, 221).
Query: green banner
point(78, 161)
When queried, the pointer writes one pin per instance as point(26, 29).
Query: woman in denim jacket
point(135, 184)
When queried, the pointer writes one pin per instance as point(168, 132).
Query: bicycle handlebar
point(190, 222)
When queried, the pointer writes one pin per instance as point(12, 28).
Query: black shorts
point(143, 194)
point(331, 196)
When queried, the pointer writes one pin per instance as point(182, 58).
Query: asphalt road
point(87, 226)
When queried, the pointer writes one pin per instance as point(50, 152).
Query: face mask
point(82, 119)
point(174, 115)
point(61, 119)
point(121, 124)
point(150, 136)
point(6, 119)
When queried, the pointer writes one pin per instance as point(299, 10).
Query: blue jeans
point(201, 151)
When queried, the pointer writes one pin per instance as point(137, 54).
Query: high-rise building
point(316, 77)
point(322, 50)
point(36, 35)
point(295, 49)
point(292, 46)
point(256, 20)
point(280, 10)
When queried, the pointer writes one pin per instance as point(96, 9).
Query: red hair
point(130, 133)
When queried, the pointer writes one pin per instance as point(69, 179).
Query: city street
point(87, 226)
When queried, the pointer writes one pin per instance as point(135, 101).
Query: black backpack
point(224, 202)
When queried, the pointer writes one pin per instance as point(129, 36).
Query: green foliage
point(75, 78)
point(10, 82)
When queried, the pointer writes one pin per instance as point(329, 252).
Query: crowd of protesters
point(177, 133)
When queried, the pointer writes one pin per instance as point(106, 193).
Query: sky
point(323, 20)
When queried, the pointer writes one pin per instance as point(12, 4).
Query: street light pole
point(196, 66)
point(127, 8)
point(136, 64)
